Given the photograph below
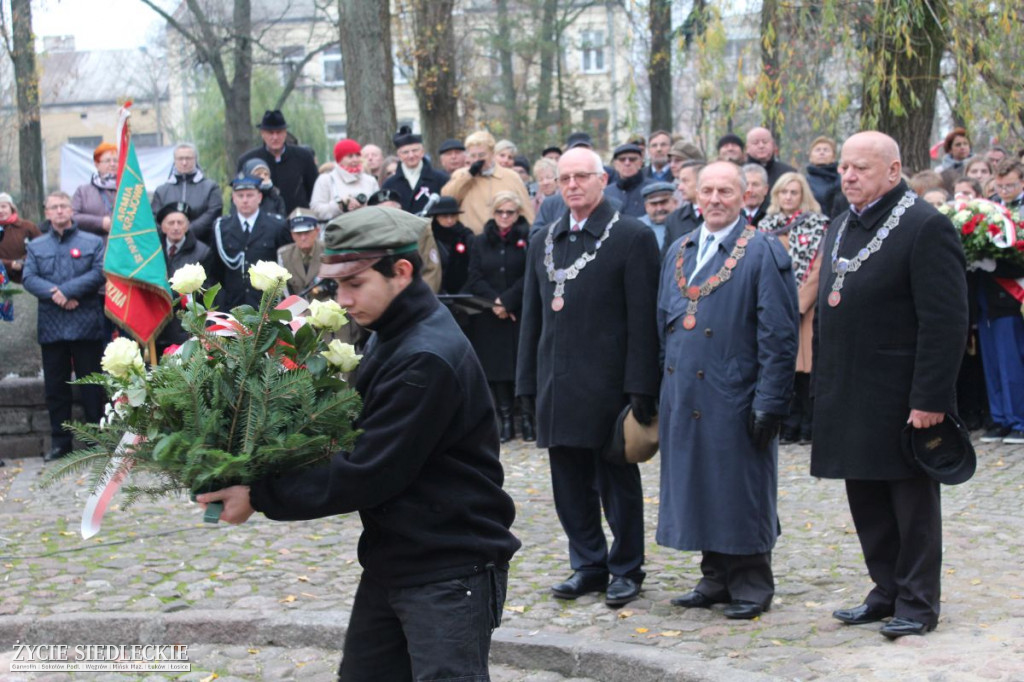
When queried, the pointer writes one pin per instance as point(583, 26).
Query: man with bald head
point(889, 333)
point(588, 347)
point(761, 150)
point(728, 323)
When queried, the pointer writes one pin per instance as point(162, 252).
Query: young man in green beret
point(424, 474)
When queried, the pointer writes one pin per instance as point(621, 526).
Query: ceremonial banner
point(138, 297)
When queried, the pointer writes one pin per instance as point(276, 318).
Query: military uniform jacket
point(290, 257)
point(718, 492)
point(893, 343)
point(582, 362)
point(269, 233)
point(424, 474)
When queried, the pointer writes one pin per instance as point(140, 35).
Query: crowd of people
point(728, 301)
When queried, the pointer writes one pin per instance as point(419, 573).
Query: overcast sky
point(96, 24)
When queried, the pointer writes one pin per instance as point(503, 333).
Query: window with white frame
point(592, 51)
point(333, 75)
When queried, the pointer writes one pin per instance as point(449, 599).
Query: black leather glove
point(645, 408)
point(528, 403)
point(476, 168)
point(763, 427)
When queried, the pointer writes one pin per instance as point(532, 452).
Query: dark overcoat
point(496, 268)
point(414, 199)
point(192, 252)
point(581, 363)
point(718, 492)
point(454, 247)
point(893, 343)
point(268, 234)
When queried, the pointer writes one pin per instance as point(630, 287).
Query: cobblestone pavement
point(158, 561)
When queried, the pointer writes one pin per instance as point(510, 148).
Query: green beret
point(355, 240)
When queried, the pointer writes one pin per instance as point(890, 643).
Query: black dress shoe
point(900, 627)
point(695, 600)
point(743, 610)
point(55, 453)
point(579, 584)
point(859, 615)
point(621, 590)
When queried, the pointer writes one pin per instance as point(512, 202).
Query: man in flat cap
point(627, 159)
point(659, 202)
point(302, 258)
point(424, 473)
point(243, 238)
point(292, 168)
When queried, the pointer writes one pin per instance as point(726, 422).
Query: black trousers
point(800, 419)
point(59, 360)
point(899, 524)
point(583, 482)
point(742, 577)
point(438, 631)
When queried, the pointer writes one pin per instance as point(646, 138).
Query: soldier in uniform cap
point(424, 474)
point(302, 258)
point(244, 238)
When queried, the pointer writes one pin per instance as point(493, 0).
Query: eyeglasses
point(567, 179)
point(1010, 186)
point(506, 214)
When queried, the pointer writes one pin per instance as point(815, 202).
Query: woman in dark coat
point(496, 267)
point(272, 202)
point(454, 241)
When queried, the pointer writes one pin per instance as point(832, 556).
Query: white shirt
point(248, 219)
point(717, 238)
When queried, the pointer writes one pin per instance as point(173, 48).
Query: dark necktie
point(173, 251)
point(245, 226)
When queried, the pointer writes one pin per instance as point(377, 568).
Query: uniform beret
point(174, 207)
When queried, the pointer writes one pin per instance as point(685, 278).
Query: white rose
point(267, 275)
point(326, 315)
point(122, 358)
point(962, 217)
point(342, 355)
point(188, 278)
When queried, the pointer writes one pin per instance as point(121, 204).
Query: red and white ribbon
point(96, 505)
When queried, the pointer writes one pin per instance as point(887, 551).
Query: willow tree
point(903, 51)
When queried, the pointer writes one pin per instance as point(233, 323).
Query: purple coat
point(90, 206)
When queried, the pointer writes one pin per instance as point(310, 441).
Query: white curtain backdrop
point(77, 167)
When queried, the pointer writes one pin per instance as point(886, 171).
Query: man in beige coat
point(475, 187)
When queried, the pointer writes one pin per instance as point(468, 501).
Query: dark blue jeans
point(439, 631)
